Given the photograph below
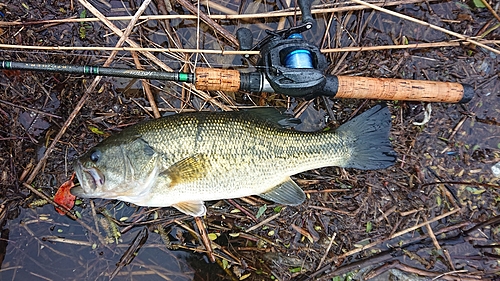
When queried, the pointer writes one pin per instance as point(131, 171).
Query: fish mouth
point(91, 180)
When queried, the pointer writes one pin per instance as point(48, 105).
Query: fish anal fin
point(192, 208)
point(286, 193)
point(186, 170)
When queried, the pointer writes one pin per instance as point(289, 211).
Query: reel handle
point(305, 8)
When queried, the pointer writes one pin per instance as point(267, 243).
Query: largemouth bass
point(186, 159)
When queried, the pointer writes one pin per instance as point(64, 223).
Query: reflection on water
point(32, 254)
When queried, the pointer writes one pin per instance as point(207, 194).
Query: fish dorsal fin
point(270, 115)
point(192, 208)
point(286, 193)
point(187, 170)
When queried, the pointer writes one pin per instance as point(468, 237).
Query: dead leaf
point(64, 197)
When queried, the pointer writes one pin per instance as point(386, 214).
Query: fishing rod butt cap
point(468, 93)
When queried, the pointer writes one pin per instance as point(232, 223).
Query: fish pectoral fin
point(192, 208)
point(187, 169)
point(286, 193)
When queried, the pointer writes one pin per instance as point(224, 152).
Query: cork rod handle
point(400, 89)
point(214, 79)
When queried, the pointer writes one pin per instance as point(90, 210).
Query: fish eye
point(94, 157)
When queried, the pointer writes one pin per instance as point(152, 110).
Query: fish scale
point(186, 159)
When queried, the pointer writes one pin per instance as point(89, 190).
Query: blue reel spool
point(300, 58)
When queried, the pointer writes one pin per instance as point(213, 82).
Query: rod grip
point(212, 79)
point(401, 89)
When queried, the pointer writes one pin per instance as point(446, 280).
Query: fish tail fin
point(369, 136)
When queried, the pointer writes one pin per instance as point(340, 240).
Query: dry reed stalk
point(228, 11)
point(210, 22)
point(492, 11)
point(146, 87)
point(395, 235)
point(286, 13)
point(449, 32)
point(119, 33)
point(227, 52)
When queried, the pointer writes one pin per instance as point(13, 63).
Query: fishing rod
point(289, 65)
point(291, 84)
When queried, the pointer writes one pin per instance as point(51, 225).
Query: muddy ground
point(434, 214)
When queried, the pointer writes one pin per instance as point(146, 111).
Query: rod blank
point(95, 70)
